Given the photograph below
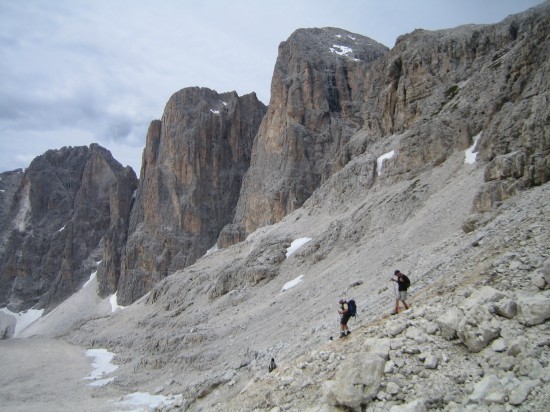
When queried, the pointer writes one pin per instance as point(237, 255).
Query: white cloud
point(78, 72)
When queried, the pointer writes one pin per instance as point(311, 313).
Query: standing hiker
point(346, 314)
point(403, 284)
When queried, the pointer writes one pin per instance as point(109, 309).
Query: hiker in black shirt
point(344, 311)
point(403, 284)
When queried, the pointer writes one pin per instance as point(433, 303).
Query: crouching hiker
point(403, 284)
point(347, 310)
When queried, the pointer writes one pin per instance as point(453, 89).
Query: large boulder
point(357, 381)
point(478, 328)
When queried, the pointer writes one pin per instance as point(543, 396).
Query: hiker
point(272, 365)
point(403, 284)
point(345, 312)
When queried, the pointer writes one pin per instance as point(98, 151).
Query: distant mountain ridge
point(217, 167)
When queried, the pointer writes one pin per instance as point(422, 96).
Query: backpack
point(352, 308)
point(407, 282)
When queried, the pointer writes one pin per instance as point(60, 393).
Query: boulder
point(356, 383)
point(533, 310)
point(448, 323)
point(478, 328)
point(487, 391)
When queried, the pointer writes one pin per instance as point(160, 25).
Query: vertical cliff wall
point(316, 97)
point(65, 203)
point(193, 165)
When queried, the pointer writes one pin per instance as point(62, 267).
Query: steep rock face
point(316, 95)
point(193, 165)
point(9, 182)
point(64, 205)
point(442, 91)
point(434, 93)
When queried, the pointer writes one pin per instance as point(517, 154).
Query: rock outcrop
point(66, 202)
point(193, 165)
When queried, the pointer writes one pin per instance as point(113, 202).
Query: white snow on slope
point(23, 319)
point(296, 244)
point(151, 402)
point(292, 283)
point(340, 50)
point(380, 161)
point(114, 303)
point(469, 155)
point(101, 366)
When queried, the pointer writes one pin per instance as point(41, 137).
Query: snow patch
point(101, 366)
point(296, 244)
point(114, 304)
point(215, 111)
point(469, 155)
point(340, 50)
point(212, 250)
point(62, 229)
point(23, 319)
point(381, 159)
point(292, 283)
point(152, 402)
point(92, 277)
point(351, 37)
point(224, 103)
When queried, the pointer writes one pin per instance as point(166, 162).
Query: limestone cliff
point(316, 93)
point(337, 95)
point(65, 203)
point(193, 165)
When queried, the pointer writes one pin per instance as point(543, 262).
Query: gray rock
point(533, 310)
point(431, 362)
point(521, 392)
point(478, 328)
point(506, 307)
point(448, 323)
point(357, 381)
point(487, 391)
point(480, 296)
point(418, 405)
point(395, 327)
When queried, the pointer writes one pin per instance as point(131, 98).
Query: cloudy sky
point(73, 72)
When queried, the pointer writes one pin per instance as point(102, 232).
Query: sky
point(76, 72)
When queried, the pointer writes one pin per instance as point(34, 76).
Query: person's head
point(342, 301)
point(398, 273)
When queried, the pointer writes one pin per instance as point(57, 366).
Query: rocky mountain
point(317, 92)
point(65, 202)
point(193, 165)
point(431, 158)
point(336, 95)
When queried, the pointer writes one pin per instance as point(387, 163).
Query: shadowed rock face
point(193, 165)
point(66, 202)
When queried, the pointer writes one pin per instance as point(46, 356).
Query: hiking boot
point(348, 332)
point(342, 335)
point(393, 313)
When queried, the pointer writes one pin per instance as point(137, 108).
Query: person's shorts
point(402, 295)
point(344, 319)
